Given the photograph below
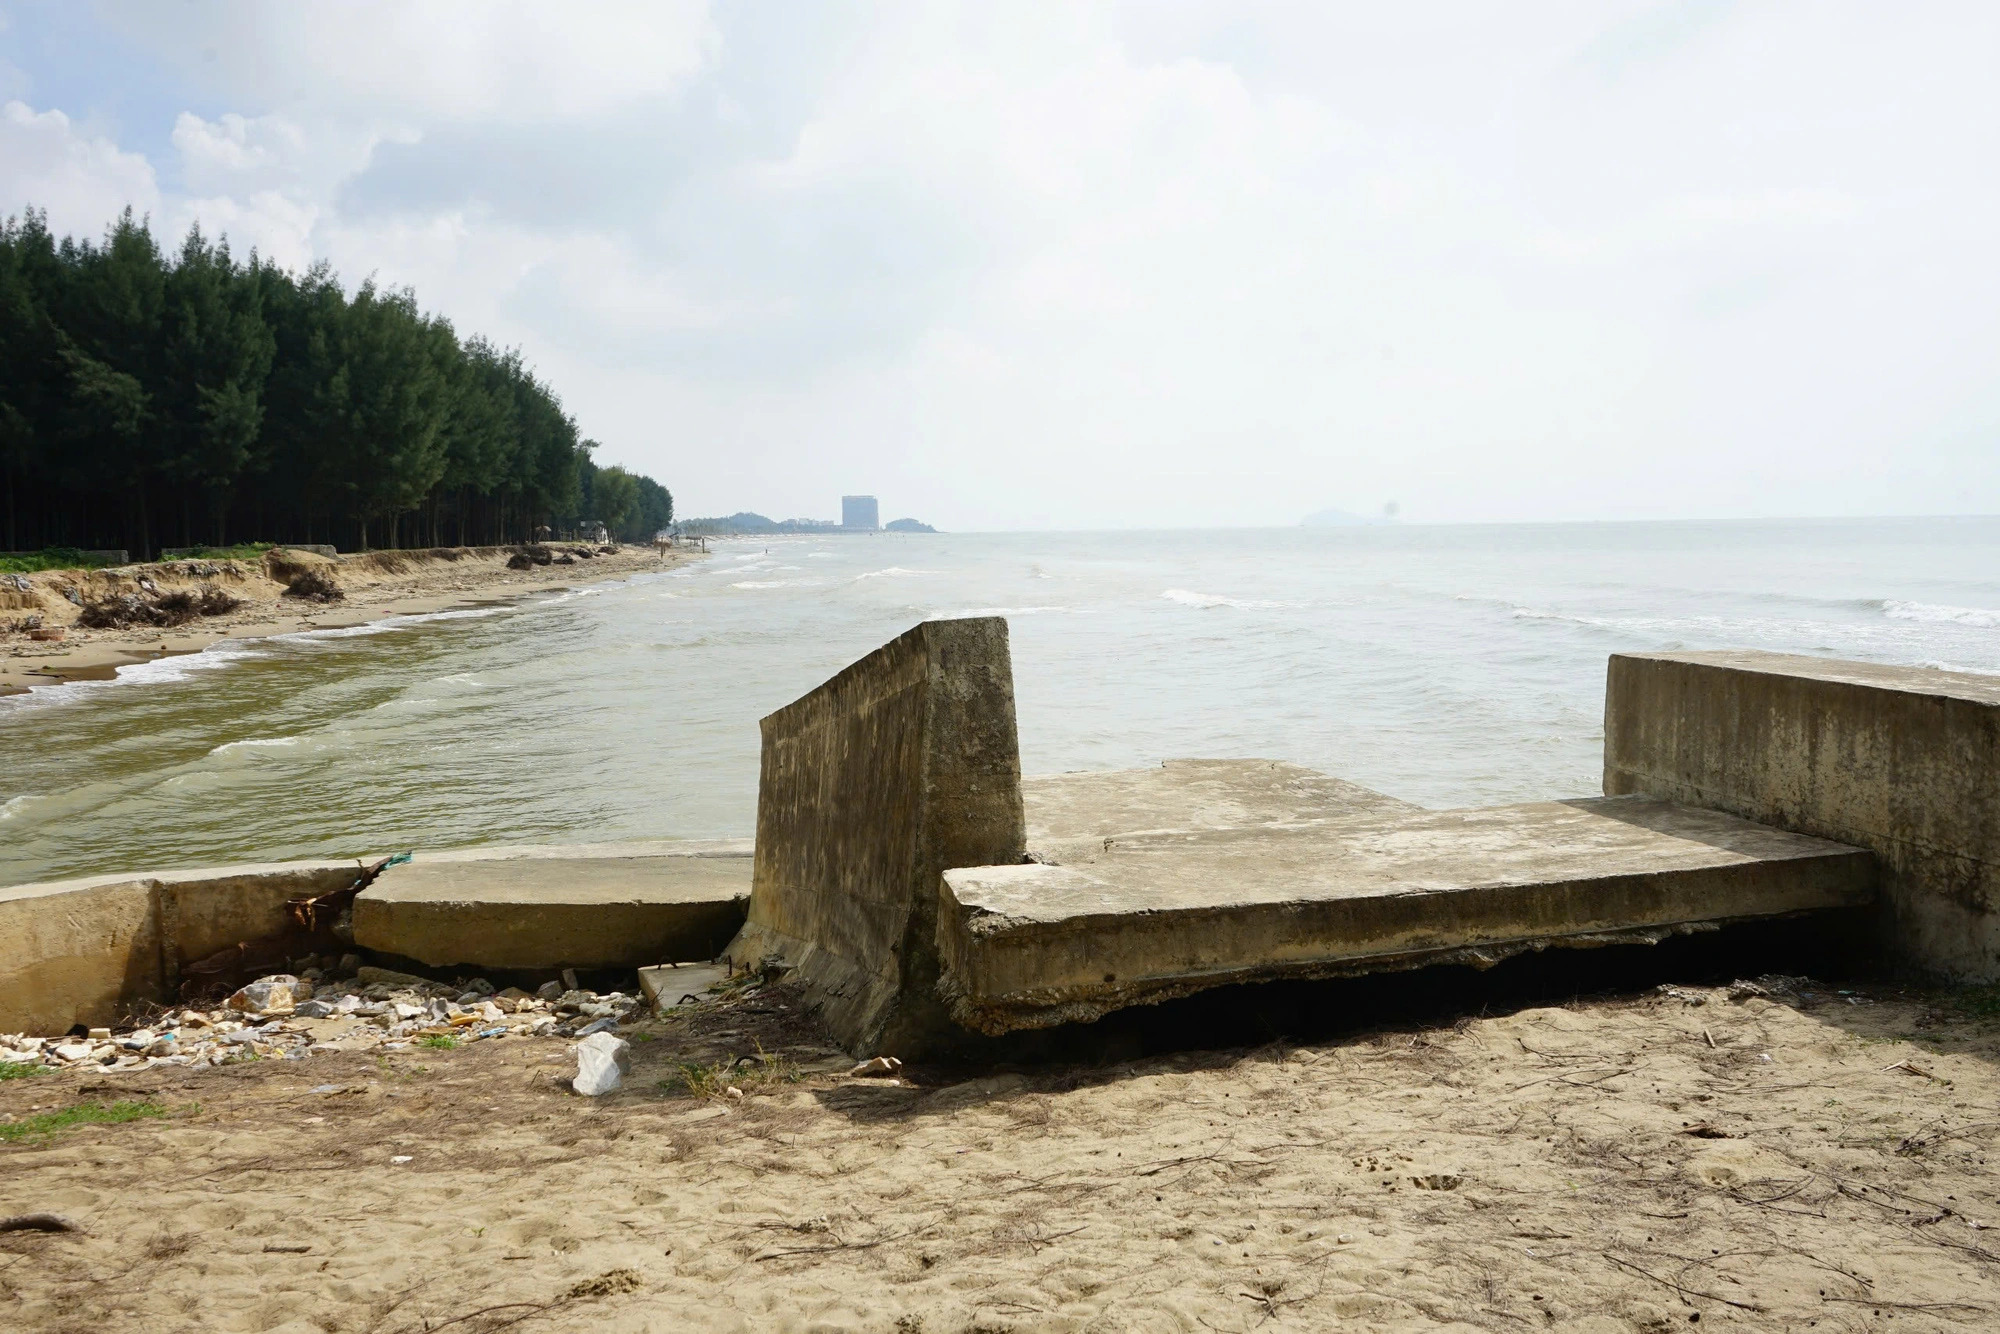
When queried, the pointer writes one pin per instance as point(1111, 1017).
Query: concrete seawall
point(81, 951)
point(88, 951)
point(1903, 761)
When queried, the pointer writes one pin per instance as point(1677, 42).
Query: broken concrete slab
point(672, 984)
point(1903, 761)
point(606, 905)
point(1115, 889)
point(904, 764)
point(1153, 915)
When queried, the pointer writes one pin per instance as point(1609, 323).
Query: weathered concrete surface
point(1148, 916)
point(84, 951)
point(605, 905)
point(1904, 761)
point(1066, 811)
point(872, 785)
point(70, 951)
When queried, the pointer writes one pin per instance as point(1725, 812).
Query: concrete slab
point(1145, 916)
point(1065, 811)
point(607, 905)
point(671, 985)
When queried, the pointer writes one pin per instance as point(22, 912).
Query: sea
point(1447, 665)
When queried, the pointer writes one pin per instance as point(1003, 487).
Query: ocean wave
point(893, 572)
point(10, 809)
point(1929, 611)
point(1205, 601)
point(762, 583)
point(991, 611)
point(256, 743)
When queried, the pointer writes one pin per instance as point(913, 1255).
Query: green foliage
point(439, 1042)
point(150, 399)
point(83, 1114)
point(19, 1070)
point(240, 551)
point(49, 558)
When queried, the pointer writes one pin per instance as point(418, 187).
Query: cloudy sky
point(1127, 264)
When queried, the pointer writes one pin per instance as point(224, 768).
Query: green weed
point(20, 1070)
point(50, 558)
point(85, 1114)
point(746, 1073)
point(439, 1042)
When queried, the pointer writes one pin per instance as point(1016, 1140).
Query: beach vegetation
point(154, 397)
point(83, 1114)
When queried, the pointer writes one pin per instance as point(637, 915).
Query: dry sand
point(1629, 1163)
point(376, 584)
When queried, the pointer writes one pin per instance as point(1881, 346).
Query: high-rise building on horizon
point(860, 512)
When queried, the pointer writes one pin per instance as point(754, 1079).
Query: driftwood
point(312, 930)
point(39, 1223)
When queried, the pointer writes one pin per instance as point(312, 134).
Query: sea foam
point(1928, 611)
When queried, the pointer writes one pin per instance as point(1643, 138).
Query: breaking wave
point(1928, 611)
point(1206, 600)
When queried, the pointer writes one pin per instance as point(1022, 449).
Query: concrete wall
point(904, 764)
point(1903, 761)
point(85, 951)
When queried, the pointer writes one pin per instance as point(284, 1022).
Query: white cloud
point(83, 181)
point(1154, 263)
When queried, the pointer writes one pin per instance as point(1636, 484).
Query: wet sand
point(376, 584)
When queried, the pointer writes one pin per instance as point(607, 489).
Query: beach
point(374, 584)
point(1776, 1155)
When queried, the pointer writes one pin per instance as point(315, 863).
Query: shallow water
point(1445, 665)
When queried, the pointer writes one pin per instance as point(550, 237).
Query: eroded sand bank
point(375, 585)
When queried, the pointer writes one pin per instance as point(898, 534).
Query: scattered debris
point(314, 584)
point(291, 1016)
point(123, 610)
point(602, 1061)
point(880, 1065)
point(1909, 1068)
point(608, 1284)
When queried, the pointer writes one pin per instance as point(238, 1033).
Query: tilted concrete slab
point(603, 905)
point(1151, 915)
point(870, 786)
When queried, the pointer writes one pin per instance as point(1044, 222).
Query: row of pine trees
point(152, 399)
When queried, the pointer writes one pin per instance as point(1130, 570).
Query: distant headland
point(858, 514)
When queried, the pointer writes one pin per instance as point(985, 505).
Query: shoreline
point(376, 585)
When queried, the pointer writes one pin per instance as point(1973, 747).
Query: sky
point(1099, 265)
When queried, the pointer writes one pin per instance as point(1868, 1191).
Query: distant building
point(860, 512)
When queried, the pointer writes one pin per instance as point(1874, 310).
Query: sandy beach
point(1791, 1156)
point(374, 584)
